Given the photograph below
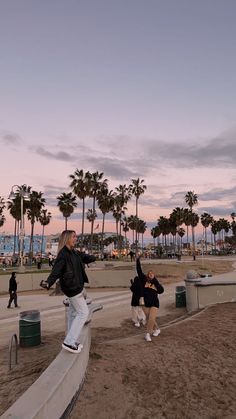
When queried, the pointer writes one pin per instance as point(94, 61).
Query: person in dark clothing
point(69, 269)
point(12, 290)
point(131, 254)
point(151, 289)
point(138, 315)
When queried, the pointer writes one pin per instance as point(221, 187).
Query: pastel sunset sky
point(131, 88)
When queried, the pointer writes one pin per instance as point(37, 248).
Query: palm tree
point(80, 186)
point(142, 227)
point(132, 223)
point(125, 230)
point(233, 223)
point(36, 204)
point(137, 188)
point(95, 184)
point(15, 210)
point(206, 220)
point(44, 219)
point(66, 203)
point(105, 199)
point(2, 220)
point(91, 217)
point(191, 199)
point(164, 226)
point(2, 206)
point(181, 233)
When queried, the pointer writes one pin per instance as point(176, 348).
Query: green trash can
point(180, 296)
point(29, 328)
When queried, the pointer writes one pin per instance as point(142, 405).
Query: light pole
point(24, 196)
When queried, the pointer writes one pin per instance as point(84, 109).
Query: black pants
point(13, 297)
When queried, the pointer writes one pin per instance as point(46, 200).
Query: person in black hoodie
point(12, 290)
point(151, 288)
point(138, 315)
point(69, 269)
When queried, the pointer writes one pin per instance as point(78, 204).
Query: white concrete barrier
point(53, 394)
point(202, 292)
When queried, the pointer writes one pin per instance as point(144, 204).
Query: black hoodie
point(151, 287)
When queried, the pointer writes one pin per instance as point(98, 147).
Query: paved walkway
point(116, 307)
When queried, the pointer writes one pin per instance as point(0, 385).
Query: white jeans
point(77, 316)
point(137, 314)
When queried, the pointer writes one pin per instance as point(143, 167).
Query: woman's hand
point(44, 284)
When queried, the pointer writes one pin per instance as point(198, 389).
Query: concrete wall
point(201, 293)
point(53, 393)
point(97, 278)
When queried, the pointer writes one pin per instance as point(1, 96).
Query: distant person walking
point(12, 290)
point(151, 289)
point(131, 254)
point(69, 268)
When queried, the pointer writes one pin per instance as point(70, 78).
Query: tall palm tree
point(181, 233)
point(164, 225)
point(2, 217)
point(137, 188)
point(66, 203)
point(2, 220)
point(2, 205)
point(187, 222)
point(36, 204)
point(15, 210)
point(105, 200)
point(44, 219)
point(142, 227)
point(91, 217)
point(125, 230)
point(80, 187)
point(95, 184)
point(233, 223)
point(206, 220)
point(191, 199)
point(132, 223)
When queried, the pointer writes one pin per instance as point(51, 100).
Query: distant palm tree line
point(93, 185)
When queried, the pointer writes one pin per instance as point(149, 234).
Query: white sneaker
point(156, 332)
point(137, 324)
point(147, 337)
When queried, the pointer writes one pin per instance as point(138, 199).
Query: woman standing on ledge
point(69, 268)
point(151, 289)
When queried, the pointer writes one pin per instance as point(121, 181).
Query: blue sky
point(131, 88)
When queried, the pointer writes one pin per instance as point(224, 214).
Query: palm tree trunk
point(31, 249)
point(65, 223)
point(103, 224)
point(82, 228)
point(14, 245)
point(41, 252)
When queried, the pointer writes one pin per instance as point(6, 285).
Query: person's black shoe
point(74, 349)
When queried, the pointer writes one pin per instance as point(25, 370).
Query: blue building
point(7, 244)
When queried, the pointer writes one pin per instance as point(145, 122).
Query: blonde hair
point(64, 238)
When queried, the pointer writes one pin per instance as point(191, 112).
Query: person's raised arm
point(138, 266)
point(87, 258)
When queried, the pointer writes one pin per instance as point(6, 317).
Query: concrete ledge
point(51, 395)
point(202, 292)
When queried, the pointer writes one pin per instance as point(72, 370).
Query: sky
point(131, 88)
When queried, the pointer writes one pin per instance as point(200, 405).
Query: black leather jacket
point(69, 269)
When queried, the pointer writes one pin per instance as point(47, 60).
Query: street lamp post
point(24, 196)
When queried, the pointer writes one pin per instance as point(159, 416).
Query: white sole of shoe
point(73, 351)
